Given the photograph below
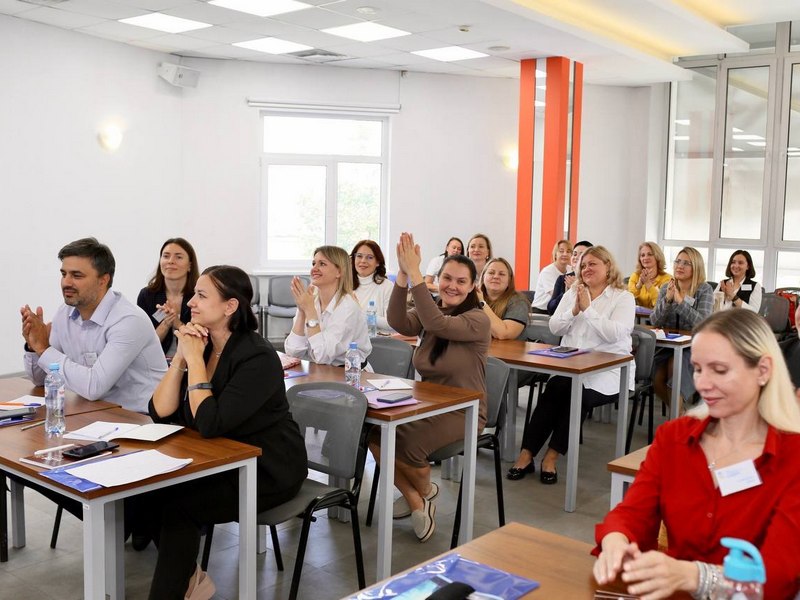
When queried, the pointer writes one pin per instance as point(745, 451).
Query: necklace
point(751, 439)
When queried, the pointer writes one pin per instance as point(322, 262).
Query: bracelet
point(708, 578)
point(179, 368)
point(199, 386)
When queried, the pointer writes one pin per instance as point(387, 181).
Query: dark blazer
point(147, 301)
point(249, 405)
point(558, 292)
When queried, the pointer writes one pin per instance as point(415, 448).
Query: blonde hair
point(751, 338)
point(558, 243)
point(661, 262)
point(499, 305)
point(341, 259)
point(477, 235)
point(614, 277)
point(698, 270)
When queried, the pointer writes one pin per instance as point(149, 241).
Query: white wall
point(189, 162)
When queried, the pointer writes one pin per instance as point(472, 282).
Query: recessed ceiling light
point(271, 45)
point(369, 11)
point(167, 23)
point(449, 53)
point(366, 32)
point(260, 8)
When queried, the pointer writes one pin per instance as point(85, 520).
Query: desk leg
point(468, 475)
point(94, 551)
point(4, 517)
point(619, 485)
point(677, 373)
point(17, 514)
point(574, 443)
point(508, 437)
point(622, 413)
point(247, 530)
point(115, 556)
point(385, 499)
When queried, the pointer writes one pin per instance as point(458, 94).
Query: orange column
point(522, 246)
point(577, 112)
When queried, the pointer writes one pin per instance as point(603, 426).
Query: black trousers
point(550, 418)
point(174, 516)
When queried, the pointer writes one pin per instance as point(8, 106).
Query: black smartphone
point(396, 397)
point(16, 413)
point(89, 450)
point(564, 349)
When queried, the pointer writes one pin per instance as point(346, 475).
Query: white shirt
point(379, 293)
point(755, 298)
point(339, 325)
point(605, 326)
point(544, 286)
point(434, 266)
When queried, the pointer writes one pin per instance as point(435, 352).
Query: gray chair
point(644, 345)
point(496, 387)
point(391, 356)
point(280, 302)
point(331, 417)
point(775, 309)
point(255, 303)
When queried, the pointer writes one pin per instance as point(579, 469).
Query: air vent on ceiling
point(318, 55)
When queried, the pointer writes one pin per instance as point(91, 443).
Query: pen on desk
point(53, 449)
point(18, 405)
point(100, 437)
point(32, 425)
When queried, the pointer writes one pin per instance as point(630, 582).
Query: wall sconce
point(110, 137)
point(510, 159)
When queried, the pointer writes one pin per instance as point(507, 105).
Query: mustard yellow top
point(646, 295)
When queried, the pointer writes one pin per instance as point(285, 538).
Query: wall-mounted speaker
point(179, 75)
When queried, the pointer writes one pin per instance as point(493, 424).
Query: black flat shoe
point(548, 477)
point(515, 473)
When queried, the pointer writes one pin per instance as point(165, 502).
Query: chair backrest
point(713, 284)
point(529, 294)
point(256, 291)
point(392, 357)
point(644, 352)
point(775, 309)
point(496, 387)
point(538, 330)
point(331, 418)
point(279, 290)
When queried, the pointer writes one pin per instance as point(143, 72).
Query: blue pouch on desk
point(489, 583)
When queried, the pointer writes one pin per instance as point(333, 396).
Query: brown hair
point(380, 271)
point(661, 262)
point(500, 305)
point(614, 277)
point(157, 284)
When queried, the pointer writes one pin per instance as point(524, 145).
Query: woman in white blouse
point(369, 280)
point(454, 246)
point(562, 255)
point(328, 316)
point(739, 290)
point(596, 313)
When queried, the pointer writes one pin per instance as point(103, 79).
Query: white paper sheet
point(106, 430)
point(390, 384)
point(129, 468)
point(22, 401)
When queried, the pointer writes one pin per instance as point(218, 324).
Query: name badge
point(738, 477)
point(746, 287)
point(689, 300)
point(90, 358)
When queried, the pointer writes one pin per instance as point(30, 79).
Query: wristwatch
point(312, 323)
point(481, 304)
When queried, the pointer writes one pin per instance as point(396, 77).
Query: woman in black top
point(166, 296)
point(225, 380)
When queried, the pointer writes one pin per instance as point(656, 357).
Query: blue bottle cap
point(743, 562)
point(353, 345)
point(54, 367)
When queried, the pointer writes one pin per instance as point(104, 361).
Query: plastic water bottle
point(352, 366)
point(54, 424)
point(743, 571)
point(372, 319)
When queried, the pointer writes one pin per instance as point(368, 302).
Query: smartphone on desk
point(564, 349)
point(89, 450)
point(396, 397)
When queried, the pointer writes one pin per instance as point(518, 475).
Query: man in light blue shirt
point(106, 347)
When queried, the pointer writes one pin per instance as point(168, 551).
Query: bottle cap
point(353, 345)
point(743, 562)
point(54, 367)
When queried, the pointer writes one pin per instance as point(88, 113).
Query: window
point(324, 181)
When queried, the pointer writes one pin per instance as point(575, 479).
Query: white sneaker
point(401, 509)
point(423, 522)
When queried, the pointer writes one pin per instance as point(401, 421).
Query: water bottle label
point(347, 364)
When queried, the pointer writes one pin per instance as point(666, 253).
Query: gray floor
point(37, 571)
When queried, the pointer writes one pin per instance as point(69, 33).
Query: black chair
point(791, 352)
point(496, 387)
point(644, 355)
point(529, 294)
point(331, 416)
point(775, 309)
point(391, 356)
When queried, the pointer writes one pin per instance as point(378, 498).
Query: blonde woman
point(506, 308)
point(596, 313)
point(328, 315)
point(749, 422)
point(479, 250)
point(650, 274)
point(684, 302)
point(546, 282)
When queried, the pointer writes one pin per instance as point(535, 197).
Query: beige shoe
point(200, 586)
point(401, 509)
point(423, 522)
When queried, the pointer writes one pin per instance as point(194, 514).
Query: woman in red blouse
point(750, 419)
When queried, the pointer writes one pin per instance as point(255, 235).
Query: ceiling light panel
point(166, 23)
point(366, 32)
point(262, 8)
point(271, 45)
point(449, 53)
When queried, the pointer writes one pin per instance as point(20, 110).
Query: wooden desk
point(562, 566)
point(434, 400)
point(103, 564)
point(14, 387)
point(623, 471)
point(515, 354)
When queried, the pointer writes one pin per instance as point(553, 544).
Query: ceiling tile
point(384, 9)
point(122, 32)
point(416, 22)
point(404, 59)
point(362, 63)
point(452, 36)
point(157, 4)
point(180, 42)
point(228, 51)
point(13, 7)
point(360, 49)
point(60, 18)
point(315, 18)
point(207, 13)
point(106, 9)
point(220, 35)
point(408, 43)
